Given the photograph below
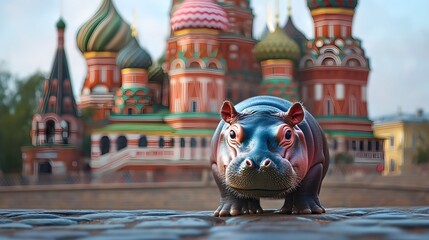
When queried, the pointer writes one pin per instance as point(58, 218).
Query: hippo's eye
point(288, 134)
point(232, 134)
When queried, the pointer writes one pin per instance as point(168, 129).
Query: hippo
point(268, 147)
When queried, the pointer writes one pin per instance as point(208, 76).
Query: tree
point(343, 159)
point(421, 156)
point(18, 103)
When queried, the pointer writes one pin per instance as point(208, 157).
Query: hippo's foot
point(305, 199)
point(235, 206)
point(302, 205)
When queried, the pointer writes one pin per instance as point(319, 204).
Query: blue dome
point(133, 56)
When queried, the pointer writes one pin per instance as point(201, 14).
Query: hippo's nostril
point(249, 163)
point(267, 163)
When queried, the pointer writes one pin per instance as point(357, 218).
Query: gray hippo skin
point(268, 147)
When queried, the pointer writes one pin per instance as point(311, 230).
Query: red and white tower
point(243, 72)
point(334, 77)
point(195, 64)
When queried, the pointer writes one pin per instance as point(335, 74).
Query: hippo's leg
point(231, 204)
point(305, 199)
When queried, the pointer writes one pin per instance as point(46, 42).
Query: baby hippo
point(268, 147)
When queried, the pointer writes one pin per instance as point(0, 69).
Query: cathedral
point(140, 115)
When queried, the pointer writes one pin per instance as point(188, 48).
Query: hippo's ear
point(228, 112)
point(295, 115)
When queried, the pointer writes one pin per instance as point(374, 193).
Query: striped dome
point(106, 31)
point(199, 14)
point(133, 56)
point(276, 45)
point(156, 73)
point(314, 4)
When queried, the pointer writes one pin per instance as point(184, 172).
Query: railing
point(368, 156)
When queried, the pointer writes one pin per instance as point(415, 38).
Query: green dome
point(61, 24)
point(106, 31)
point(276, 45)
point(133, 56)
point(156, 73)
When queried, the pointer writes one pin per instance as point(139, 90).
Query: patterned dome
point(276, 45)
point(199, 14)
point(106, 31)
point(133, 56)
point(156, 73)
point(314, 4)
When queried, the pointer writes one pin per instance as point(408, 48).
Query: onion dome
point(199, 14)
point(106, 31)
point(292, 32)
point(133, 56)
point(61, 24)
point(314, 4)
point(276, 45)
point(156, 73)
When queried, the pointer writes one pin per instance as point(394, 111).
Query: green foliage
point(343, 158)
point(18, 102)
point(421, 156)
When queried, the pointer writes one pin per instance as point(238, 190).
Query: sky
point(394, 34)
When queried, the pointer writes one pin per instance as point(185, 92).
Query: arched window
point(195, 65)
point(130, 111)
point(161, 142)
point(104, 145)
point(65, 131)
point(203, 142)
point(182, 142)
point(194, 106)
point(329, 108)
point(193, 143)
point(50, 131)
point(212, 65)
point(143, 141)
point(121, 143)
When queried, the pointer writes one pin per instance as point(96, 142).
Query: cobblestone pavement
point(337, 223)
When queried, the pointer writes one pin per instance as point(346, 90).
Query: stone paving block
point(15, 226)
point(337, 224)
point(48, 222)
point(56, 234)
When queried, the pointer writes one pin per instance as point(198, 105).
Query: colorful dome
point(106, 31)
point(314, 4)
point(199, 14)
point(133, 56)
point(276, 45)
point(156, 73)
point(292, 32)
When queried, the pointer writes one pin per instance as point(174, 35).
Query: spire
point(277, 17)
point(61, 25)
point(58, 94)
point(289, 8)
point(134, 24)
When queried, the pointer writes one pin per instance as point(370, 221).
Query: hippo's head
point(262, 151)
